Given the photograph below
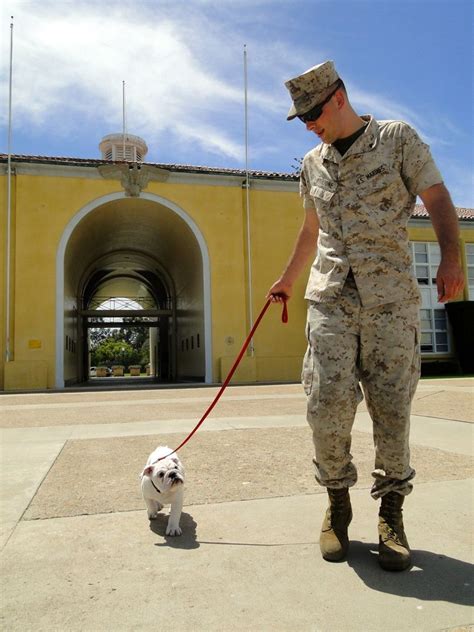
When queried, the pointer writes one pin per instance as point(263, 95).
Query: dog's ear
point(175, 460)
point(148, 470)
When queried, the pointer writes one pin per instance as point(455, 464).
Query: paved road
point(79, 554)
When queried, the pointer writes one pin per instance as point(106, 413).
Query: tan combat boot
point(333, 540)
point(394, 552)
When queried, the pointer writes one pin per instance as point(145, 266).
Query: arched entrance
point(147, 248)
point(128, 299)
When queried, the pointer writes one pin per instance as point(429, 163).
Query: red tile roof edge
point(94, 162)
point(419, 212)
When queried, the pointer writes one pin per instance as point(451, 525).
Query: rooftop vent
point(120, 148)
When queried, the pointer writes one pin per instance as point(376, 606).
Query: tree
point(145, 351)
point(135, 336)
point(98, 336)
point(112, 351)
point(296, 166)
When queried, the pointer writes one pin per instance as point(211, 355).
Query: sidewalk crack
point(34, 495)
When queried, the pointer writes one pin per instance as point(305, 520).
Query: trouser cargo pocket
point(308, 365)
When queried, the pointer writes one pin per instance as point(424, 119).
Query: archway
point(147, 241)
point(128, 321)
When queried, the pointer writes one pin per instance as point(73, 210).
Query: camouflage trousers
point(378, 348)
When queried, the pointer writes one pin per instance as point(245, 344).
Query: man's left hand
point(449, 280)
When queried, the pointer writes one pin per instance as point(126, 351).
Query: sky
point(183, 66)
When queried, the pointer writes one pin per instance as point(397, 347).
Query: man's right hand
point(280, 291)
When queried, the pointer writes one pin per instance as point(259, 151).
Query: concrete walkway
point(78, 552)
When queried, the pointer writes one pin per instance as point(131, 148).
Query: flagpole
point(123, 118)
point(9, 204)
point(247, 202)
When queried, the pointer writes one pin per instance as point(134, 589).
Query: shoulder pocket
point(323, 193)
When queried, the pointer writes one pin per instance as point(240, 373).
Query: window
point(434, 334)
point(470, 270)
point(434, 322)
point(426, 257)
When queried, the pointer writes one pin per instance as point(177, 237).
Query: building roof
point(419, 212)
point(95, 162)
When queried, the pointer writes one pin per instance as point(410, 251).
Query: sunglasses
point(316, 112)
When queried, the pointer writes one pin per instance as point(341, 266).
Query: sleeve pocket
point(308, 365)
point(321, 194)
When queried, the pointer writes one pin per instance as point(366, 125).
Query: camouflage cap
point(310, 88)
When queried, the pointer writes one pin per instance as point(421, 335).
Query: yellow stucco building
point(181, 242)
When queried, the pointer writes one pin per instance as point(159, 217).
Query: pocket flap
point(322, 194)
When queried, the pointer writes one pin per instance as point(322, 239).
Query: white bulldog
point(163, 484)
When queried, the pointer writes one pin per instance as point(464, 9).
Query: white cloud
point(215, 142)
point(460, 182)
point(182, 61)
point(70, 60)
point(382, 107)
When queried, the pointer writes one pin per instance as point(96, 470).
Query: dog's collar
point(151, 481)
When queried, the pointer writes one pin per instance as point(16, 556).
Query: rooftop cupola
point(119, 148)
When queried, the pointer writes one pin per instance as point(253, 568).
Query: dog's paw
point(153, 516)
point(173, 529)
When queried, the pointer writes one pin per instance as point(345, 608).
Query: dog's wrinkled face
point(166, 474)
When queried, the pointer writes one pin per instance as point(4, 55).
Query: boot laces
point(391, 512)
point(338, 503)
point(391, 535)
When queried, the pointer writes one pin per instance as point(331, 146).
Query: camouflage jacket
point(364, 200)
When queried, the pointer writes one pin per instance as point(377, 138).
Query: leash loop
point(284, 319)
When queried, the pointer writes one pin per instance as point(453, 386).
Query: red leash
point(284, 319)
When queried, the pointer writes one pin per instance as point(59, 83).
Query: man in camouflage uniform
point(359, 188)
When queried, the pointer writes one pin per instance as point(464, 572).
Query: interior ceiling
point(131, 239)
point(123, 287)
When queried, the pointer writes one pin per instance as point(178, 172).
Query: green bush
point(112, 351)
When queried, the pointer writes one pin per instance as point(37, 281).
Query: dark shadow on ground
point(433, 576)
point(187, 540)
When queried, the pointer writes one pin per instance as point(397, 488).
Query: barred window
point(434, 322)
point(470, 270)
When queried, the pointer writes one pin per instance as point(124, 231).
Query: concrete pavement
point(79, 554)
